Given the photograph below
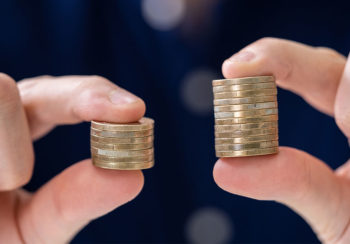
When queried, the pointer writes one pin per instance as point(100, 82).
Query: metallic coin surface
point(139, 159)
point(262, 125)
point(270, 85)
point(246, 146)
point(246, 133)
point(122, 166)
point(241, 140)
point(244, 100)
point(251, 93)
point(244, 80)
point(131, 140)
point(245, 114)
point(121, 153)
point(142, 124)
point(117, 146)
point(253, 152)
point(241, 107)
point(231, 121)
point(123, 134)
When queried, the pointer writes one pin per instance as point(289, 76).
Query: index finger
point(51, 101)
point(312, 73)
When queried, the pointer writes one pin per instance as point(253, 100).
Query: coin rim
point(244, 107)
point(228, 155)
point(245, 126)
point(149, 151)
point(244, 80)
point(241, 87)
point(145, 123)
point(217, 149)
point(244, 100)
point(122, 134)
point(125, 140)
point(245, 113)
point(130, 166)
point(235, 134)
point(247, 93)
point(117, 146)
point(144, 158)
point(232, 121)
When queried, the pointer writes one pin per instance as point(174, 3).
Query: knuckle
point(8, 86)
point(96, 79)
point(91, 103)
point(9, 94)
point(11, 181)
point(267, 42)
point(90, 82)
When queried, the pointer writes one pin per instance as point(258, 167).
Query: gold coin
point(123, 134)
point(146, 139)
point(139, 159)
point(244, 100)
point(246, 146)
point(122, 166)
point(142, 124)
point(244, 133)
point(231, 121)
point(245, 80)
point(257, 86)
point(234, 127)
point(243, 153)
point(251, 93)
point(230, 108)
point(124, 153)
point(139, 146)
point(237, 140)
point(245, 114)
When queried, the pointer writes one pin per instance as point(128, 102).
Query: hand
point(292, 177)
point(63, 206)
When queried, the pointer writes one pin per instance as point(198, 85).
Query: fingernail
point(121, 96)
point(243, 56)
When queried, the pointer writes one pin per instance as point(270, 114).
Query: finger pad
point(84, 191)
point(259, 177)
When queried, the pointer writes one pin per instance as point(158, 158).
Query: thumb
point(67, 203)
point(293, 178)
point(342, 102)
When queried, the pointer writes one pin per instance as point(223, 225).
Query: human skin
point(68, 202)
point(321, 76)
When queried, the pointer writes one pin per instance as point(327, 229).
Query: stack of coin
point(122, 146)
point(246, 116)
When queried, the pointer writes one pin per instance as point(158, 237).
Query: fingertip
point(101, 190)
point(76, 196)
point(232, 69)
point(96, 105)
point(116, 186)
point(226, 65)
point(130, 112)
point(261, 177)
point(132, 183)
point(219, 175)
point(243, 63)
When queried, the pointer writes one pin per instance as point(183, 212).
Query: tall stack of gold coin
point(122, 146)
point(246, 116)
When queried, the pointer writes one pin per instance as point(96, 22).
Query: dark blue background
point(111, 39)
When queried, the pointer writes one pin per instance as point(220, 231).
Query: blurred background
point(167, 52)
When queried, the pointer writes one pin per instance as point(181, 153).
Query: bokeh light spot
point(163, 15)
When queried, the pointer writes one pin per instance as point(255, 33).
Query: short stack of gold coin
point(246, 116)
point(122, 146)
